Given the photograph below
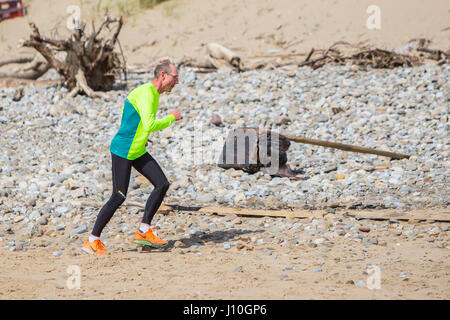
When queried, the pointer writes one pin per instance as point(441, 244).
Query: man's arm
point(177, 116)
point(148, 114)
point(156, 125)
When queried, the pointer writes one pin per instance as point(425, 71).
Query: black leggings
point(121, 169)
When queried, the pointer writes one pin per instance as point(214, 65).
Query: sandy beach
point(180, 29)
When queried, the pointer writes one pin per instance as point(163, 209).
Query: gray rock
point(80, 230)
point(42, 221)
point(319, 241)
point(33, 230)
point(205, 198)
point(216, 120)
point(330, 169)
point(18, 219)
point(239, 269)
point(61, 210)
point(360, 283)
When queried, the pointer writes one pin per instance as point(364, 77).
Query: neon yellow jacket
point(138, 120)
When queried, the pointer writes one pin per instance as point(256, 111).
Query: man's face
point(169, 79)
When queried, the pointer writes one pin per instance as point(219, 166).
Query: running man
point(128, 150)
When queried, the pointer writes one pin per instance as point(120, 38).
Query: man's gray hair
point(164, 65)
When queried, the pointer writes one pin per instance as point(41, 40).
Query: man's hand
point(176, 114)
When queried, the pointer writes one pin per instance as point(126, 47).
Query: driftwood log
point(340, 52)
point(218, 56)
point(221, 56)
point(87, 62)
point(347, 147)
point(34, 67)
point(252, 150)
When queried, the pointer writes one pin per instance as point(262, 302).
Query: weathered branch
point(29, 75)
point(82, 84)
point(15, 61)
point(37, 42)
point(116, 34)
point(347, 147)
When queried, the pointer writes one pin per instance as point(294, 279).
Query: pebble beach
point(56, 155)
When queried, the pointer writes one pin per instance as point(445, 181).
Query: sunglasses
point(172, 75)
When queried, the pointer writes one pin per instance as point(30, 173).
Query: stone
point(80, 230)
point(33, 230)
point(239, 269)
point(237, 221)
point(330, 169)
point(319, 241)
point(205, 198)
point(216, 119)
point(360, 283)
point(178, 244)
point(61, 210)
point(42, 221)
point(240, 197)
point(79, 193)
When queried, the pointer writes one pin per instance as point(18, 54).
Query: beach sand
point(180, 29)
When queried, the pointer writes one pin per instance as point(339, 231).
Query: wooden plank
point(438, 214)
point(419, 214)
point(262, 213)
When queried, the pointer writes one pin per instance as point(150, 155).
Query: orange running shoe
point(149, 238)
point(96, 247)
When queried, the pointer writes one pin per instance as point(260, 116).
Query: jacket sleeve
point(148, 114)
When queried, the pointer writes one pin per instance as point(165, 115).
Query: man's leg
point(121, 169)
point(149, 168)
